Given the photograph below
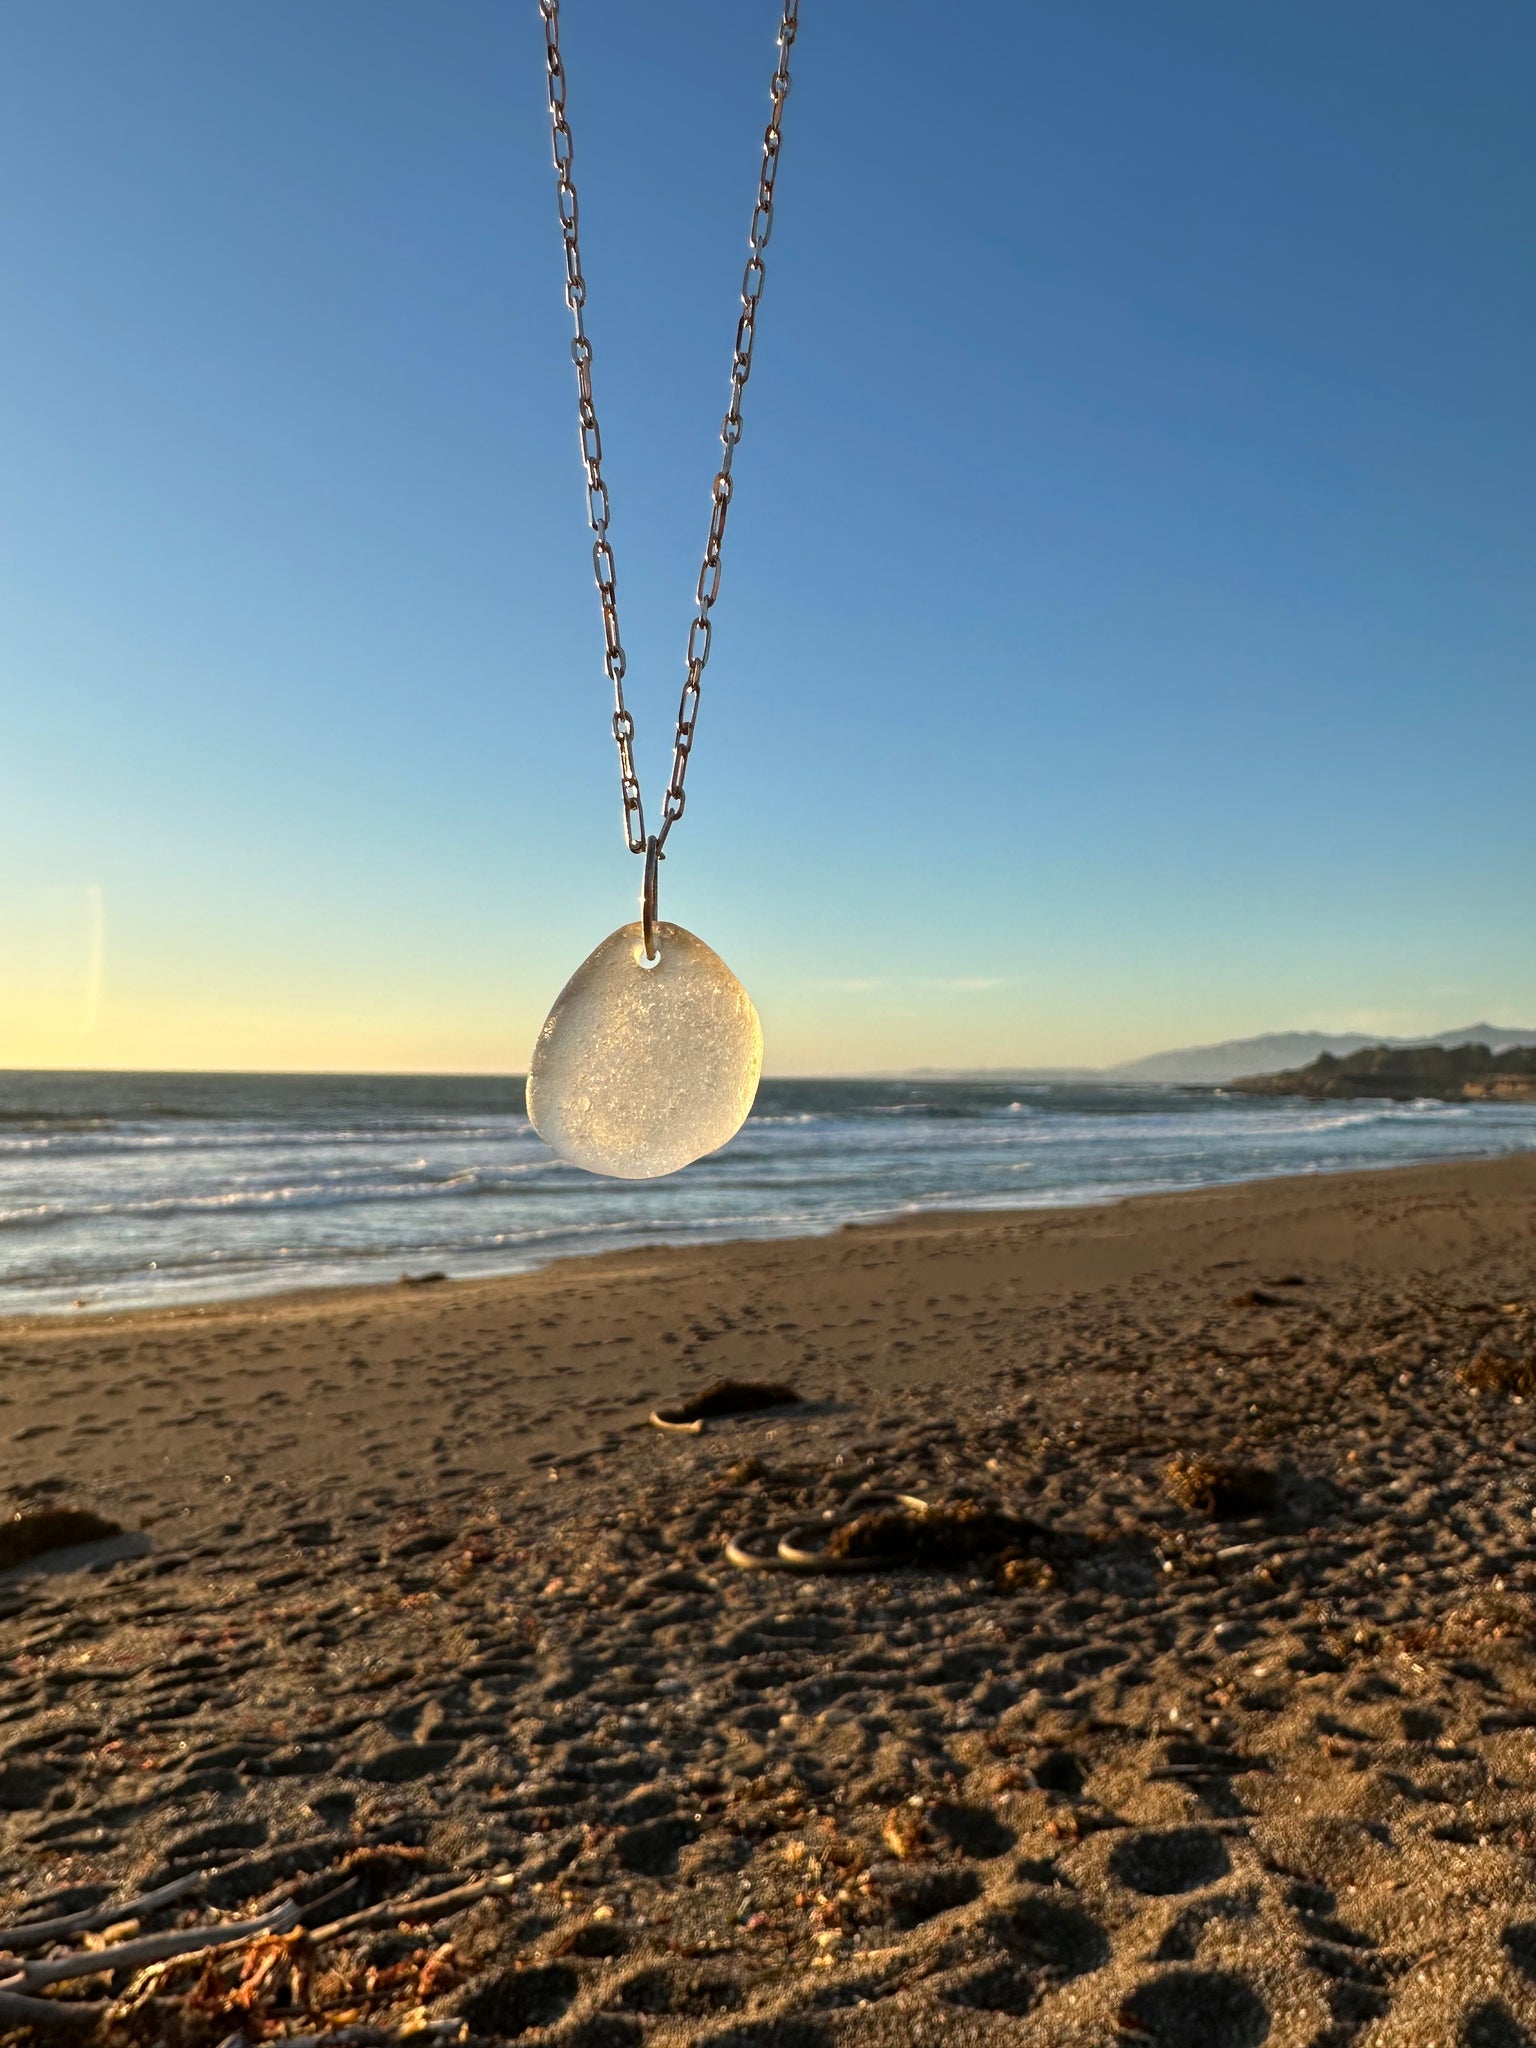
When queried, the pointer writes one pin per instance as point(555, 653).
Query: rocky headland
point(1457, 1073)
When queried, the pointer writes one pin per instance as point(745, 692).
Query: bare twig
point(154, 1948)
point(375, 2037)
point(328, 1902)
point(19, 2008)
point(434, 1908)
point(38, 1933)
point(20, 2011)
point(372, 2037)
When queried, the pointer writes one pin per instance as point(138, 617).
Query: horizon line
point(1022, 1070)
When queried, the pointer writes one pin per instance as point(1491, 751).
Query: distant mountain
point(1236, 1058)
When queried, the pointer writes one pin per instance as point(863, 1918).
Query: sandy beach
point(411, 1596)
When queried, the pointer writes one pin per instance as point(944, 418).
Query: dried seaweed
point(725, 1397)
point(958, 1533)
point(1492, 1370)
point(1225, 1489)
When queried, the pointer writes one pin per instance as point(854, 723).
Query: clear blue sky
point(1128, 620)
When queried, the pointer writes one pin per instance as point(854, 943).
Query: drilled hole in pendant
point(650, 966)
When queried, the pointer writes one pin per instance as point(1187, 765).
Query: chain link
point(598, 504)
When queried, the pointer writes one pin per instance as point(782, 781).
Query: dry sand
point(423, 1598)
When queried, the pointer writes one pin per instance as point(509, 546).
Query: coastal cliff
point(1451, 1073)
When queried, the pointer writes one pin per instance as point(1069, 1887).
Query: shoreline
point(546, 1362)
point(323, 1292)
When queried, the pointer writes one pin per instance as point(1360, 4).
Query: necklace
point(652, 1052)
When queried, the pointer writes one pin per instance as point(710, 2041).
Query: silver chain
point(598, 505)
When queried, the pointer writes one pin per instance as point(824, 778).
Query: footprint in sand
point(1044, 1943)
point(1173, 1860)
point(514, 2000)
point(1213, 2007)
point(694, 1993)
point(927, 1894)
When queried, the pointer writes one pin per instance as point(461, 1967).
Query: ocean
point(125, 1190)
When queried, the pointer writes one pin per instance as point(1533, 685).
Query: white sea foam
point(121, 1189)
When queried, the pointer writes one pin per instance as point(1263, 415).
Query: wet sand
point(424, 1598)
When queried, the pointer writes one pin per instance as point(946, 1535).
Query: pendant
point(640, 1067)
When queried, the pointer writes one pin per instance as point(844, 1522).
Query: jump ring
point(648, 926)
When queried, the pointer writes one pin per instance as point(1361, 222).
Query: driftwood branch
point(19, 2006)
point(153, 1948)
point(366, 2036)
point(20, 2011)
point(435, 1908)
point(39, 1933)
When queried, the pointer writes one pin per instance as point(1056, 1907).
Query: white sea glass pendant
point(638, 1069)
